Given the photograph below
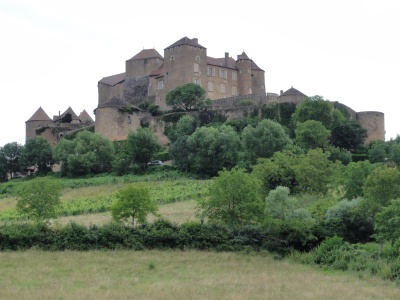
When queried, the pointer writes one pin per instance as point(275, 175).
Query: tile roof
point(158, 72)
point(39, 115)
point(186, 41)
point(116, 102)
point(220, 62)
point(85, 117)
point(68, 111)
point(113, 80)
point(146, 54)
point(292, 91)
point(242, 56)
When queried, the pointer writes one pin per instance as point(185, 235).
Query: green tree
point(394, 154)
point(350, 135)
point(133, 201)
point(338, 154)
point(318, 109)
point(210, 149)
point(381, 186)
point(39, 153)
point(39, 198)
point(187, 97)
point(87, 153)
point(387, 223)
point(3, 166)
point(312, 134)
point(264, 140)
point(12, 152)
point(278, 203)
point(141, 146)
point(185, 126)
point(235, 198)
point(378, 152)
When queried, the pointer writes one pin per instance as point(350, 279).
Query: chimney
point(226, 58)
point(195, 40)
point(281, 92)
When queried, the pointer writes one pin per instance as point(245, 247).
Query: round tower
point(243, 64)
point(374, 122)
point(38, 119)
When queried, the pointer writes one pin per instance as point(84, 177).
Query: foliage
point(11, 154)
point(354, 176)
point(173, 117)
point(141, 146)
point(185, 126)
point(349, 135)
point(88, 153)
point(3, 166)
point(381, 186)
point(235, 198)
point(387, 223)
point(133, 201)
point(264, 140)
point(279, 112)
point(311, 134)
point(187, 97)
point(338, 154)
point(240, 124)
point(394, 154)
point(39, 198)
point(278, 203)
point(208, 150)
point(38, 152)
point(378, 152)
point(318, 109)
point(153, 109)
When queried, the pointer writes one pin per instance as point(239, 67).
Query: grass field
point(175, 275)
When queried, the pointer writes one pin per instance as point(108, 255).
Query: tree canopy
point(187, 97)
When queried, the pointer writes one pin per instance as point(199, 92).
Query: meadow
point(155, 274)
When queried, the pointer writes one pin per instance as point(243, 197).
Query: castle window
point(160, 84)
point(234, 76)
point(249, 71)
point(223, 74)
point(196, 80)
point(234, 90)
point(196, 68)
point(222, 88)
point(210, 86)
point(197, 58)
point(129, 120)
point(210, 71)
point(172, 58)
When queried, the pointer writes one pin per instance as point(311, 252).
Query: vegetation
point(187, 97)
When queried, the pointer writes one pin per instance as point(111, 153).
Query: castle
point(148, 77)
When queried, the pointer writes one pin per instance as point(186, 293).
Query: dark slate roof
point(158, 72)
point(255, 67)
point(85, 117)
point(147, 54)
point(68, 111)
point(242, 56)
point(292, 91)
point(186, 41)
point(220, 62)
point(116, 102)
point(113, 80)
point(39, 115)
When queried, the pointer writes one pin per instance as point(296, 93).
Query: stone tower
point(245, 83)
point(38, 119)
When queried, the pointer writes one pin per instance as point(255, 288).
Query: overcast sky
point(53, 53)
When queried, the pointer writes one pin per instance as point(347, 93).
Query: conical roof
point(71, 112)
point(85, 117)
point(243, 56)
point(292, 91)
point(186, 41)
point(39, 115)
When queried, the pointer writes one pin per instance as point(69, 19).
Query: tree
point(278, 203)
point(350, 135)
point(39, 198)
point(38, 152)
point(394, 154)
point(3, 166)
point(235, 198)
point(338, 154)
point(378, 152)
point(134, 202)
point(142, 146)
point(312, 134)
point(87, 153)
point(381, 186)
point(264, 140)
point(210, 149)
point(187, 97)
point(12, 152)
point(387, 223)
point(185, 126)
point(318, 109)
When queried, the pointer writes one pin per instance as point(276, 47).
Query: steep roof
point(292, 91)
point(158, 72)
point(186, 41)
point(255, 67)
point(147, 54)
point(243, 56)
point(220, 62)
point(40, 115)
point(113, 79)
point(116, 102)
point(68, 111)
point(85, 117)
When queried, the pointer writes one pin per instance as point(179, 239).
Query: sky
point(53, 53)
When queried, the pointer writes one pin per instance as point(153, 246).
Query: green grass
point(175, 275)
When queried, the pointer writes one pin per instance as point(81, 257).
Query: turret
point(243, 64)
